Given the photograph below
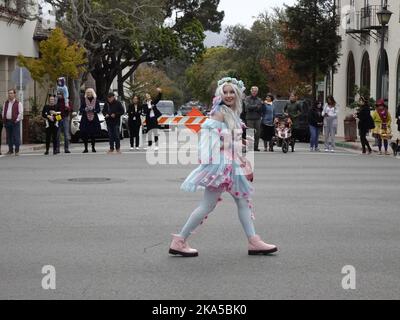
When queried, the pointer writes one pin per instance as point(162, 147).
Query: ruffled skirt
point(221, 178)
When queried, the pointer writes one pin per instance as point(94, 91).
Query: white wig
point(236, 109)
point(92, 91)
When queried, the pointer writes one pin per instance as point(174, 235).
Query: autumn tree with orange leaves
point(281, 77)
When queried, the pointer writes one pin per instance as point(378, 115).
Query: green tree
point(311, 30)
point(255, 45)
point(148, 78)
point(58, 58)
point(120, 35)
point(203, 74)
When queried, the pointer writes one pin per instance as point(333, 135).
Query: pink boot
point(257, 246)
point(180, 247)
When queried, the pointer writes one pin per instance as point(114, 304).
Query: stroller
point(283, 133)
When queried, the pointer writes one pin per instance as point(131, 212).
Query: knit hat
point(380, 102)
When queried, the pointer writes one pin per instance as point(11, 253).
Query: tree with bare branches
point(120, 35)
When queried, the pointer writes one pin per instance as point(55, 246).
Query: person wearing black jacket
point(1, 126)
point(90, 124)
point(365, 124)
point(113, 110)
point(134, 121)
point(315, 121)
point(152, 114)
point(50, 113)
point(397, 117)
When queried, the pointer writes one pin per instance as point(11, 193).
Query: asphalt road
point(109, 239)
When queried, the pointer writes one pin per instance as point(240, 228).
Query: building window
point(365, 83)
point(329, 84)
point(351, 79)
point(382, 84)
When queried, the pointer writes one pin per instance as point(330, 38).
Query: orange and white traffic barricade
point(192, 121)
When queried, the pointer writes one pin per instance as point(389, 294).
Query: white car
point(76, 121)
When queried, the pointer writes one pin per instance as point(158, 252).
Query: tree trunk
point(104, 78)
point(314, 88)
point(74, 93)
point(120, 86)
point(100, 86)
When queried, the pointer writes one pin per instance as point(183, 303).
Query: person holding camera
point(152, 114)
point(52, 116)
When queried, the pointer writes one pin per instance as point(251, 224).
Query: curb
point(39, 147)
point(347, 145)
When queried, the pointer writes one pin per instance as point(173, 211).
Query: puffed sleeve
point(212, 136)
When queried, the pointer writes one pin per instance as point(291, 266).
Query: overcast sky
point(244, 11)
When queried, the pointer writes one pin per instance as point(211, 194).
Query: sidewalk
point(356, 146)
point(25, 148)
point(342, 143)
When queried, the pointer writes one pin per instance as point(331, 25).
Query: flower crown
point(238, 83)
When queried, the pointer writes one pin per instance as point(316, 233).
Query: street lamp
point(384, 17)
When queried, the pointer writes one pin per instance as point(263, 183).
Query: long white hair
point(231, 114)
point(92, 91)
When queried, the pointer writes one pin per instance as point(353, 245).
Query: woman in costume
point(222, 169)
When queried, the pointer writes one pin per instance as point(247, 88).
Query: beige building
point(360, 60)
point(17, 36)
point(21, 36)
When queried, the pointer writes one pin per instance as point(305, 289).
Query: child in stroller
point(283, 133)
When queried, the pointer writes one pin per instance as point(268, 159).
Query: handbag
point(371, 123)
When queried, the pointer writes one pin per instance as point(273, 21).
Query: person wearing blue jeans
point(12, 115)
point(1, 130)
point(113, 133)
point(13, 136)
point(64, 128)
point(63, 124)
point(315, 121)
point(113, 110)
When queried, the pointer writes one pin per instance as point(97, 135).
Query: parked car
point(186, 108)
point(166, 107)
point(103, 134)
